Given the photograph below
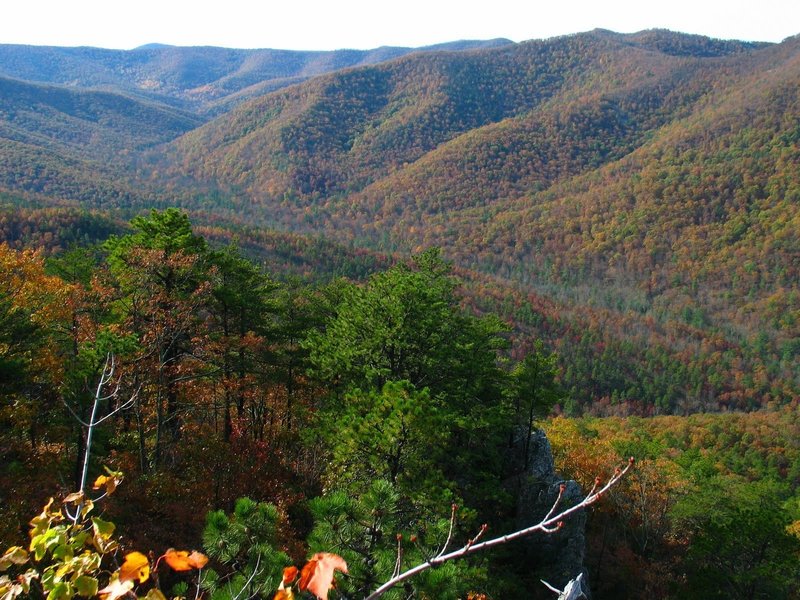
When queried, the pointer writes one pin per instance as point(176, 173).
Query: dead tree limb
point(551, 523)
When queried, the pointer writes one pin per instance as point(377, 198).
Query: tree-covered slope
point(700, 222)
point(89, 123)
point(646, 181)
point(631, 199)
point(78, 144)
point(340, 132)
point(201, 77)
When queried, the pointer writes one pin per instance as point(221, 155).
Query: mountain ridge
point(190, 76)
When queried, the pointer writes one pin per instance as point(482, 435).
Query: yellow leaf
point(100, 482)
point(74, 498)
point(47, 517)
point(794, 529)
point(109, 481)
point(136, 566)
point(16, 555)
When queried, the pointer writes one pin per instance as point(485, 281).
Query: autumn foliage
point(264, 421)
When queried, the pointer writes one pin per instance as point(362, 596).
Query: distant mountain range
point(204, 79)
point(632, 199)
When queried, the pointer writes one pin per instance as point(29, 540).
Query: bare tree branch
point(549, 524)
point(106, 376)
point(572, 591)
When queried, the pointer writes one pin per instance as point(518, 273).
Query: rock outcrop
point(556, 558)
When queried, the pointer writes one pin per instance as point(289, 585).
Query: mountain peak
point(153, 46)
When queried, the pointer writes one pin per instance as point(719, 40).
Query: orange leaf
point(198, 560)
point(136, 566)
point(178, 559)
point(289, 575)
point(181, 560)
point(317, 574)
point(283, 595)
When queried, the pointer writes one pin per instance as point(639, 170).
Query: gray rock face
point(557, 558)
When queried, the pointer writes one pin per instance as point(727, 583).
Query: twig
point(550, 587)
point(250, 580)
point(399, 561)
point(453, 508)
point(199, 577)
point(549, 524)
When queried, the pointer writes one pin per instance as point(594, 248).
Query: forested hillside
point(340, 291)
point(630, 199)
point(262, 420)
point(205, 79)
point(642, 183)
point(374, 121)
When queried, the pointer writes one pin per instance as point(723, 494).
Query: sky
point(364, 24)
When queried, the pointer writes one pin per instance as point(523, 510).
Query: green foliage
point(65, 557)
point(710, 510)
point(533, 389)
point(419, 397)
point(740, 546)
point(18, 335)
point(405, 324)
point(245, 543)
point(398, 435)
point(168, 231)
point(364, 530)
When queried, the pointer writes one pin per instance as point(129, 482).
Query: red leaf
point(198, 560)
point(289, 575)
point(307, 573)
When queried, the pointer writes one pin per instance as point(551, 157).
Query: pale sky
point(364, 24)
